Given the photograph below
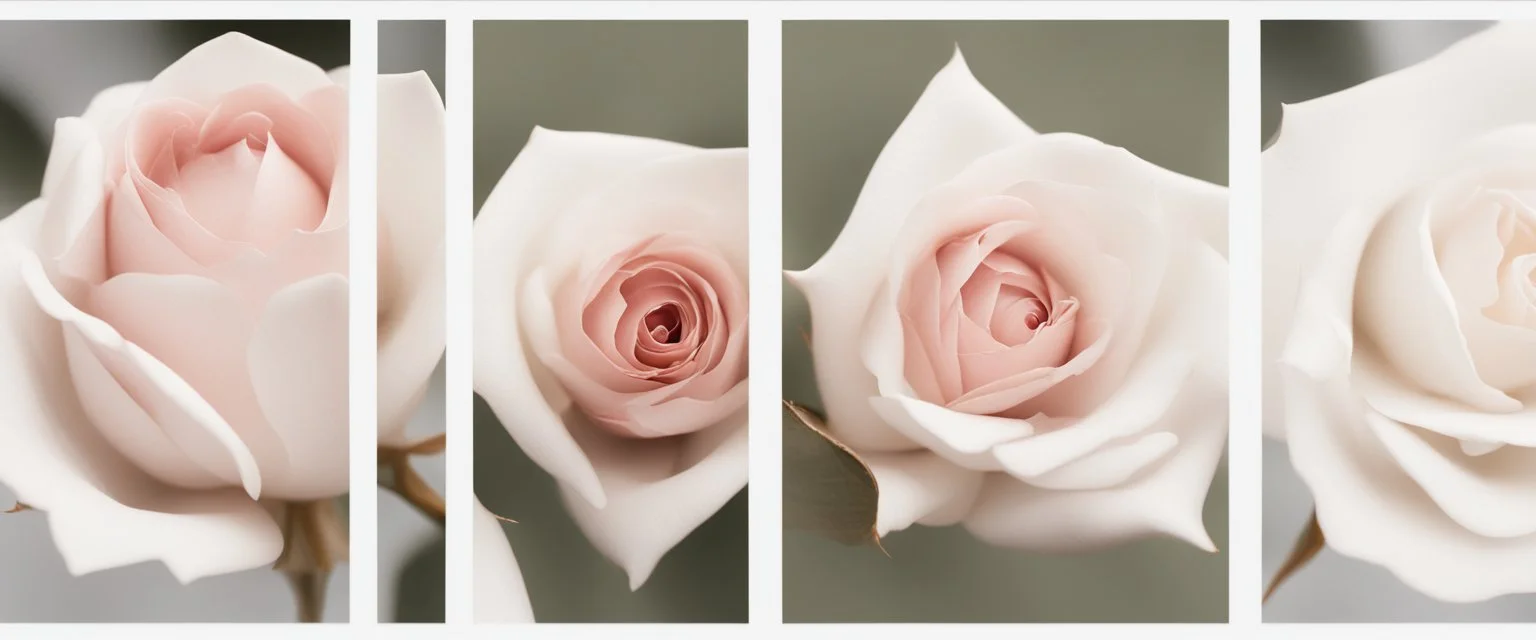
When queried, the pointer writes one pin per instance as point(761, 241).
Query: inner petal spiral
point(986, 322)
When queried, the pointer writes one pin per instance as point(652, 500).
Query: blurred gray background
point(1301, 61)
point(411, 547)
point(82, 59)
point(680, 81)
point(1156, 88)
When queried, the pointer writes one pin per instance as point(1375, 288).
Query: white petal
point(920, 487)
point(298, 360)
point(1394, 398)
point(658, 490)
point(499, 593)
point(552, 173)
point(955, 122)
point(229, 62)
point(72, 184)
point(53, 460)
point(1351, 152)
point(963, 439)
point(1402, 302)
point(341, 75)
point(1370, 510)
point(410, 202)
point(1167, 499)
point(1491, 495)
point(699, 192)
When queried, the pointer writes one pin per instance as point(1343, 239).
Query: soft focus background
point(82, 58)
point(1156, 88)
point(1301, 61)
point(411, 546)
point(680, 81)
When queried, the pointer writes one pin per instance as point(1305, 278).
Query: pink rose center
point(664, 324)
point(653, 338)
point(986, 324)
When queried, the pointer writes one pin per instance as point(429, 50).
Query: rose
point(411, 280)
point(499, 595)
point(1025, 333)
point(1398, 301)
point(611, 329)
point(174, 316)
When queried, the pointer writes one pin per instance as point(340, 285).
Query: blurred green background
point(1156, 88)
point(680, 81)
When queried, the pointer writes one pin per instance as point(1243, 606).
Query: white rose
point(173, 315)
point(1400, 248)
point(611, 329)
point(1025, 333)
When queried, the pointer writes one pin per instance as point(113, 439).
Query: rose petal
point(1165, 499)
point(232, 61)
point(920, 487)
point(72, 185)
point(499, 593)
point(185, 415)
point(1394, 398)
point(1369, 509)
point(412, 322)
point(298, 368)
point(658, 491)
point(53, 460)
point(1493, 496)
point(954, 122)
point(1402, 300)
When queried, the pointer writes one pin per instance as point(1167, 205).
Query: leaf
point(1308, 544)
point(827, 488)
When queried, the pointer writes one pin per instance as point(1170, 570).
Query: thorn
point(20, 507)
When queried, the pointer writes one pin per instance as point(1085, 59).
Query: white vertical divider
point(459, 96)
point(1245, 444)
point(764, 348)
point(362, 310)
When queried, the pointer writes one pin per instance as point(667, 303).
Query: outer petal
point(1371, 510)
point(553, 172)
point(1167, 499)
point(1330, 161)
point(103, 512)
point(955, 122)
point(229, 62)
point(658, 491)
point(298, 360)
point(498, 589)
point(920, 487)
point(412, 312)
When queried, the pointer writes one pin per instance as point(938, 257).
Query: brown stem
point(409, 485)
point(309, 593)
point(1308, 544)
point(314, 541)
